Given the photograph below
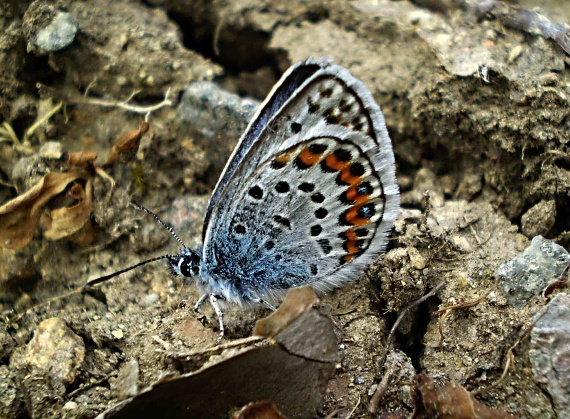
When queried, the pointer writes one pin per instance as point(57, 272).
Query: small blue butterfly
point(308, 196)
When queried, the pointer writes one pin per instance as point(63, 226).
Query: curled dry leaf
point(448, 402)
point(259, 410)
point(65, 221)
point(299, 300)
point(127, 143)
point(83, 159)
point(20, 216)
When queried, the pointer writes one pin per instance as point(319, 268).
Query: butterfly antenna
point(139, 206)
point(122, 271)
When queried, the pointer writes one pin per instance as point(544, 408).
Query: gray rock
point(55, 36)
point(51, 150)
point(539, 219)
point(126, 384)
point(550, 352)
point(531, 271)
point(214, 111)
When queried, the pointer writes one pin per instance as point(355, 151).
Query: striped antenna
point(139, 206)
point(104, 278)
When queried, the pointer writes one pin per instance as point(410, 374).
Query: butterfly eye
point(188, 265)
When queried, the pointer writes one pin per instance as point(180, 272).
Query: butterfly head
point(186, 263)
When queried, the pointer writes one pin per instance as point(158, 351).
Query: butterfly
point(309, 195)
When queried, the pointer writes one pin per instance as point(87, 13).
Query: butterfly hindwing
point(310, 199)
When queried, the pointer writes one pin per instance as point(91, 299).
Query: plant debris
point(450, 401)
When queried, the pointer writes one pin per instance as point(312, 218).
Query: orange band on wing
point(354, 197)
point(308, 158)
point(335, 164)
point(351, 247)
point(348, 179)
point(346, 258)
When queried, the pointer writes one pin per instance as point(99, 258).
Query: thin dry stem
point(30, 131)
point(126, 105)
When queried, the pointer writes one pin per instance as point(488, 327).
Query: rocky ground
point(106, 102)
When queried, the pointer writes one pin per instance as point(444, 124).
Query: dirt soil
point(477, 104)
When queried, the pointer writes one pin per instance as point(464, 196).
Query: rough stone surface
point(220, 118)
point(47, 28)
point(7, 344)
point(126, 384)
point(12, 398)
point(214, 110)
point(539, 219)
point(550, 352)
point(54, 351)
point(530, 272)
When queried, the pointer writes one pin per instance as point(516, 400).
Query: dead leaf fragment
point(128, 142)
point(259, 410)
point(83, 159)
point(19, 217)
point(298, 301)
point(65, 221)
point(449, 402)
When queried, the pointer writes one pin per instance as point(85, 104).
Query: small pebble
point(150, 300)
point(55, 36)
point(359, 380)
point(532, 270)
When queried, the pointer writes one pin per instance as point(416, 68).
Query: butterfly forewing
point(282, 91)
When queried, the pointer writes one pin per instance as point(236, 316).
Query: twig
point(332, 414)
point(109, 179)
point(434, 291)
point(91, 384)
point(7, 135)
point(444, 312)
point(145, 110)
point(161, 342)
point(216, 40)
point(43, 303)
point(354, 408)
point(381, 389)
point(30, 131)
point(440, 330)
point(510, 356)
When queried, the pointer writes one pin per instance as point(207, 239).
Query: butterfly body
point(308, 196)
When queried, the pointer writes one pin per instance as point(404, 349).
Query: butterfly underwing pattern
point(309, 195)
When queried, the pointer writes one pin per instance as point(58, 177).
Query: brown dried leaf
point(85, 236)
point(259, 410)
point(299, 300)
point(127, 142)
point(295, 380)
point(451, 401)
point(20, 216)
point(83, 159)
point(63, 222)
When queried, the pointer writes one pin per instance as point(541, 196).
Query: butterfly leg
point(200, 302)
point(265, 303)
point(214, 301)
